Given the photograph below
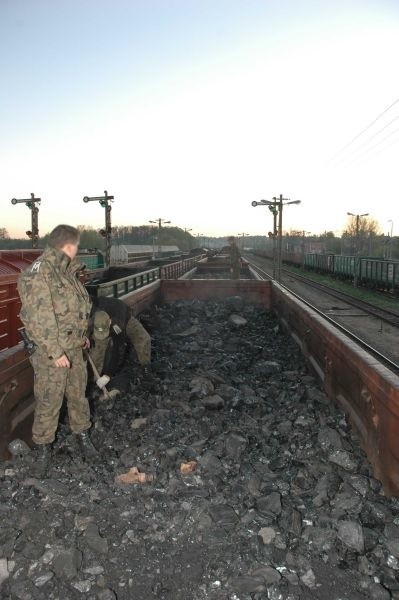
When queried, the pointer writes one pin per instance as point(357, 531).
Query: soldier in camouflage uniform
point(235, 259)
point(55, 311)
point(114, 332)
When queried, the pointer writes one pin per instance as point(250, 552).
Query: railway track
point(381, 356)
point(386, 315)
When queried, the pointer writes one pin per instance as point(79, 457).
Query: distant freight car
point(322, 263)
point(375, 273)
point(344, 266)
point(378, 273)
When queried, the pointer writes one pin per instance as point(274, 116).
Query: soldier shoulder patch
point(35, 268)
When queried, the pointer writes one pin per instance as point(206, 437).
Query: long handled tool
point(97, 374)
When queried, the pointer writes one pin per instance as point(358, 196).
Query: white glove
point(102, 381)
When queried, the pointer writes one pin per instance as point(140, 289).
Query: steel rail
point(370, 349)
point(386, 315)
point(381, 313)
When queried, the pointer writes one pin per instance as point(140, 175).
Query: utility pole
point(160, 222)
point(357, 246)
point(107, 232)
point(31, 203)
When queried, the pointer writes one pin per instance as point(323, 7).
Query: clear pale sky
point(189, 110)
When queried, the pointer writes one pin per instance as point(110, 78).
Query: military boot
point(86, 445)
point(42, 460)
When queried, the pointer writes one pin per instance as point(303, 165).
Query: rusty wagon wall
point(366, 390)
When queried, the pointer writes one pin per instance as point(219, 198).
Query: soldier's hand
point(102, 381)
point(85, 343)
point(63, 361)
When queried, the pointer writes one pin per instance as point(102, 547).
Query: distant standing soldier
point(235, 259)
point(55, 311)
point(113, 330)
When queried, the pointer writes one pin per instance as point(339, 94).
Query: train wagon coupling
point(230, 456)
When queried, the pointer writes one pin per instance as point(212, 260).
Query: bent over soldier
point(114, 332)
point(55, 311)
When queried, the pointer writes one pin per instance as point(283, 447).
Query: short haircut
point(62, 235)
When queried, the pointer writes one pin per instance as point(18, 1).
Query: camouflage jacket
point(130, 329)
point(109, 354)
point(55, 304)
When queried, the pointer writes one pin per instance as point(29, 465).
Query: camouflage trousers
point(51, 384)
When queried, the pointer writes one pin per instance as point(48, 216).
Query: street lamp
point(31, 204)
point(187, 230)
point(160, 222)
point(391, 239)
point(357, 249)
point(276, 207)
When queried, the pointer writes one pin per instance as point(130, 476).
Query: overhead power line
point(383, 149)
point(365, 129)
point(368, 150)
point(357, 150)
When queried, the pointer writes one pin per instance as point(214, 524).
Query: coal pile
point(224, 474)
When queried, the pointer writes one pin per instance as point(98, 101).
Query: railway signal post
point(106, 233)
point(31, 203)
point(276, 207)
point(272, 234)
point(242, 235)
point(282, 202)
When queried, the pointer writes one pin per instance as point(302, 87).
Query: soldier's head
point(101, 325)
point(66, 238)
point(231, 240)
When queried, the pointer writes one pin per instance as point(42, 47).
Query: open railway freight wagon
point(367, 391)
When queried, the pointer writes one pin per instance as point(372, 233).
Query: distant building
point(125, 253)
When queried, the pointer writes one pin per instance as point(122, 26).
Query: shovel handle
point(96, 373)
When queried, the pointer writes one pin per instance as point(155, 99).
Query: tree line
point(90, 238)
point(364, 237)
